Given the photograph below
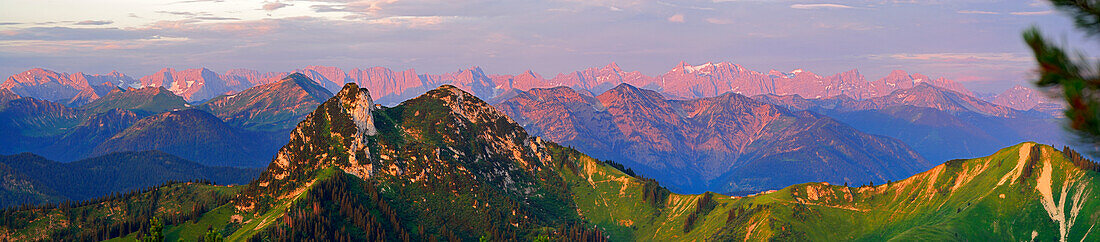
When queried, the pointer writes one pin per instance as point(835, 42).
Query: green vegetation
point(117, 215)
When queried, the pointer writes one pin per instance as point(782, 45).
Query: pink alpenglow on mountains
point(74, 89)
point(683, 82)
point(1023, 98)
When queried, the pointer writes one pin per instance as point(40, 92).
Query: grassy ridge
point(961, 199)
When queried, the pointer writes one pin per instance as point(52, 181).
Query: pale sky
point(975, 42)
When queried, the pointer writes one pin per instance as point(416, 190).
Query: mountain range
point(448, 166)
point(683, 81)
point(38, 180)
point(943, 120)
point(729, 143)
point(938, 123)
point(230, 130)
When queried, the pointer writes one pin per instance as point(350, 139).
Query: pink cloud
point(678, 18)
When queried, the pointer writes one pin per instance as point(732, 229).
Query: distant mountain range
point(939, 123)
point(34, 179)
point(230, 130)
point(683, 81)
point(448, 166)
point(937, 118)
point(730, 143)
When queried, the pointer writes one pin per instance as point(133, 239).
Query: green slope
point(961, 199)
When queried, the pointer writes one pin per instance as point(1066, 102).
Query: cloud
point(66, 33)
point(1033, 13)
point(976, 12)
point(197, 15)
point(678, 18)
point(683, 6)
point(719, 21)
point(180, 13)
point(215, 18)
point(411, 21)
point(201, 1)
point(961, 57)
point(329, 8)
point(204, 30)
point(95, 22)
point(847, 26)
point(274, 6)
point(361, 7)
point(820, 6)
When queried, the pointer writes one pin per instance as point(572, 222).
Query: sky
point(974, 42)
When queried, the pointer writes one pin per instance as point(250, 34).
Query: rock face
point(351, 120)
point(726, 143)
point(191, 84)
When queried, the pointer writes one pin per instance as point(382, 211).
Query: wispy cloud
point(684, 6)
point(976, 12)
point(960, 57)
point(66, 33)
point(719, 21)
point(411, 21)
point(847, 26)
point(820, 6)
point(274, 6)
point(1033, 13)
point(94, 22)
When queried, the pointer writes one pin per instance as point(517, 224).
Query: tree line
point(86, 220)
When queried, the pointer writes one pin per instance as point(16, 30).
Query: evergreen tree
point(155, 233)
point(1077, 78)
point(212, 236)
